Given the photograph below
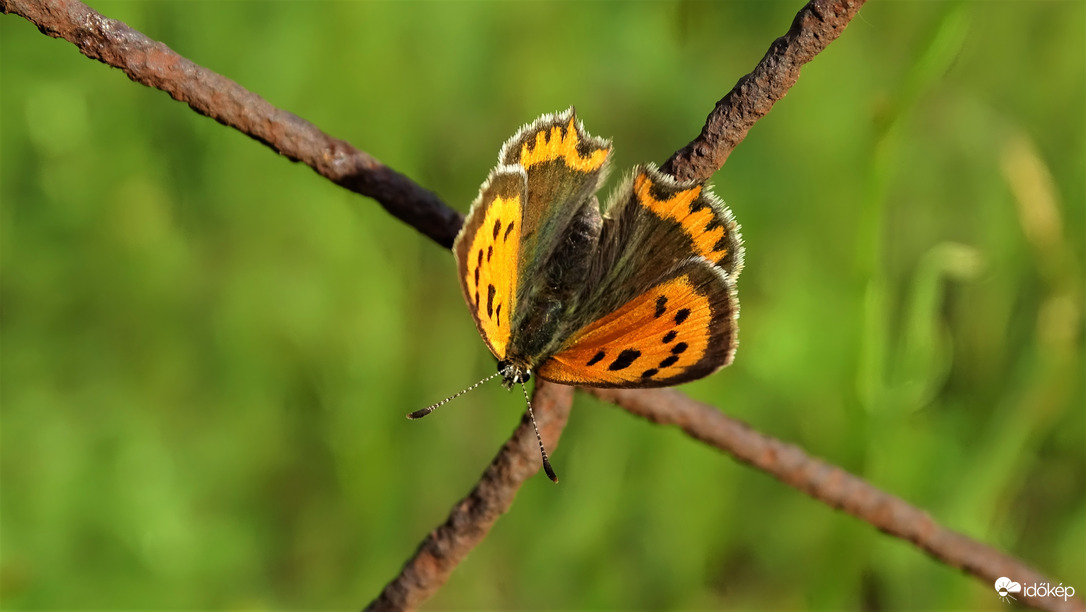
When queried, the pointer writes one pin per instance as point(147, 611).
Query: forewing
point(531, 231)
point(564, 166)
point(486, 253)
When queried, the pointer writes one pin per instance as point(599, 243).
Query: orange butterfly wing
point(529, 208)
point(486, 254)
point(679, 330)
point(664, 288)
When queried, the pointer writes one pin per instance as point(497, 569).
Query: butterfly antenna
point(418, 414)
point(546, 462)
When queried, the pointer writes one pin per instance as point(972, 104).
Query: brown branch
point(830, 485)
point(819, 23)
point(472, 518)
point(155, 65)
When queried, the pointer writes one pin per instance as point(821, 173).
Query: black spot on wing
point(497, 228)
point(477, 268)
point(650, 373)
point(498, 314)
point(681, 315)
point(679, 348)
point(597, 358)
point(586, 148)
point(714, 223)
point(479, 260)
point(661, 306)
point(490, 291)
point(659, 191)
point(508, 229)
point(669, 361)
point(624, 359)
point(489, 252)
point(669, 336)
point(722, 244)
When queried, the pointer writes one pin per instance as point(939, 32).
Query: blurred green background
point(208, 351)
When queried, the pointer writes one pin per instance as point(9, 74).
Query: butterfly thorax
point(545, 324)
point(547, 303)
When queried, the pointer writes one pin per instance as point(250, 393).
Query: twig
point(819, 23)
point(830, 485)
point(154, 64)
point(472, 518)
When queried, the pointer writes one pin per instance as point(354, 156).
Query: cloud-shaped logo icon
point(1005, 586)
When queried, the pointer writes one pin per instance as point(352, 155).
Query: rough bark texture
point(471, 519)
point(155, 65)
point(832, 486)
point(818, 24)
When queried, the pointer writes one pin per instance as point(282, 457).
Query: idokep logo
point(1005, 587)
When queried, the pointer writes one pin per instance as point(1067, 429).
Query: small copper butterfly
point(641, 296)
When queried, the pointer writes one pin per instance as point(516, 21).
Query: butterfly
point(643, 295)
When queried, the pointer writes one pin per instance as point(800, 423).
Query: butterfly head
point(513, 373)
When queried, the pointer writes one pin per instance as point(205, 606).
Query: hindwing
point(659, 305)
